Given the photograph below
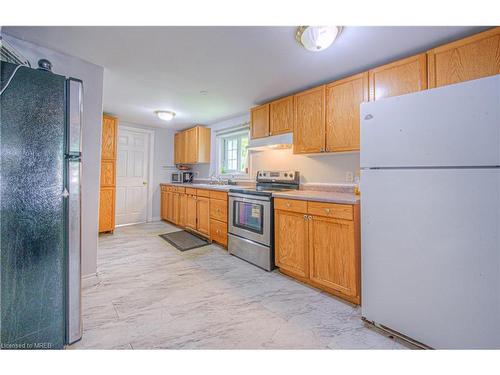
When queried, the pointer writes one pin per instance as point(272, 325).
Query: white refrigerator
point(430, 215)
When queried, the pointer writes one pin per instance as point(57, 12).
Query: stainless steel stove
point(251, 218)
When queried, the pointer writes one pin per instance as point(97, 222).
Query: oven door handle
point(245, 198)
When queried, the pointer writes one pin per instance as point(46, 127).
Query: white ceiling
point(150, 68)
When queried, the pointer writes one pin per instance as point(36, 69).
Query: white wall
point(163, 156)
point(92, 77)
point(322, 168)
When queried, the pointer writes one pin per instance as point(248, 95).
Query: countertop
point(201, 186)
point(306, 195)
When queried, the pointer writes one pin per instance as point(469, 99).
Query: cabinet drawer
point(191, 191)
point(222, 195)
point(334, 210)
point(179, 189)
point(218, 232)
point(164, 188)
point(170, 188)
point(202, 193)
point(290, 205)
point(218, 210)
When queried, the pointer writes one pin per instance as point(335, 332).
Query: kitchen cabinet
point(191, 211)
point(218, 217)
point(332, 254)
point(192, 146)
point(281, 116)
point(182, 209)
point(180, 148)
point(259, 121)
point(470, 58)
point(399, 77)
point(319, 243)
point(164, 203)
point(309, 121)
point(107, 193)
point(292, 243)
point(343, 98)
point(203, 215)
point(107, 209)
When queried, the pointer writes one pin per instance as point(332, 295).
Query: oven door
point(250, 217)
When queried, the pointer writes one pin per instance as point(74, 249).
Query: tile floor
point(152, 296)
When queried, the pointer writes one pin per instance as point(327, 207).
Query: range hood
point(271, 143)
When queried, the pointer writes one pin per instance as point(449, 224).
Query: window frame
point(221, 140)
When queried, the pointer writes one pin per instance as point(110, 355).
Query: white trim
point(151, 146)
point(156, 218)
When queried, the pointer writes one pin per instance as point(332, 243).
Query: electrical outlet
point(349, 177)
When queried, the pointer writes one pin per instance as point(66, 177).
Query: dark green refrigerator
point(40, 244)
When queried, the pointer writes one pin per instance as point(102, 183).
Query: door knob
point(144, 183)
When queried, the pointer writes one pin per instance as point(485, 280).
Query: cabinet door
point(470, 58)
point(175, 208)
point(333, 259)
point(399, 78)
point(191, 143)
point(107, 209)
point(170, 206)
point(191, 212)
point(178, 148)
point(182, 209)
point(164, 205)
point(108, 173)
point(281, 116)
point(218, 210)
point(342, 112)
point(203, 215)
point(259, 121)
point(218, 232)
point(108, 141)
point(309, 121)
point(291, 242)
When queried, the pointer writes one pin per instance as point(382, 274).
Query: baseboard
point(89, 280)
point(155, 219)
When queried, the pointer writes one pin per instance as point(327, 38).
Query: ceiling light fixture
point(317, 38)
point(165, 115)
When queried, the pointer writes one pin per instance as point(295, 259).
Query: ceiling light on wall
point(165, 115)
point(317, 38)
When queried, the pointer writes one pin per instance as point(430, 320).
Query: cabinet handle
point(288, 205)
point(310, 217)
point(327, 210)
point(305, 217)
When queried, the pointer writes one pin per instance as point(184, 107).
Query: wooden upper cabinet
point(259, 121)
point(192, 146)
point(399, 77)
point(343, 98)
point(179, 147)
point(309, 121)
point(109, 134)
point(281, 116)
point(470, 58)
point(333, 259)
point(291, 242)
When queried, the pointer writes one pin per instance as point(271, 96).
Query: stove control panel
point(279, 176)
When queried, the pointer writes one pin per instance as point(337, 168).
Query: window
point(233, 153)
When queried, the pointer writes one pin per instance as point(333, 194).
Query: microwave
point(182, 177)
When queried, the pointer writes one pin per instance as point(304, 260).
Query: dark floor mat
point(184, 240)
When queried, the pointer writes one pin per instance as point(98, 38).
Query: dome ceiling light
point(165, 115)
point(317, 38)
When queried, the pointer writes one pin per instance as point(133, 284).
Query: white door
point(132, 176)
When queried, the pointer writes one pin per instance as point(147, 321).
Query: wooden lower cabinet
point(218, 232)
point(191, 211)
point(321, 249)
point(202, 211)
point(291, 243)
point(107, 209)
point(333, 260)
point(203, 215)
